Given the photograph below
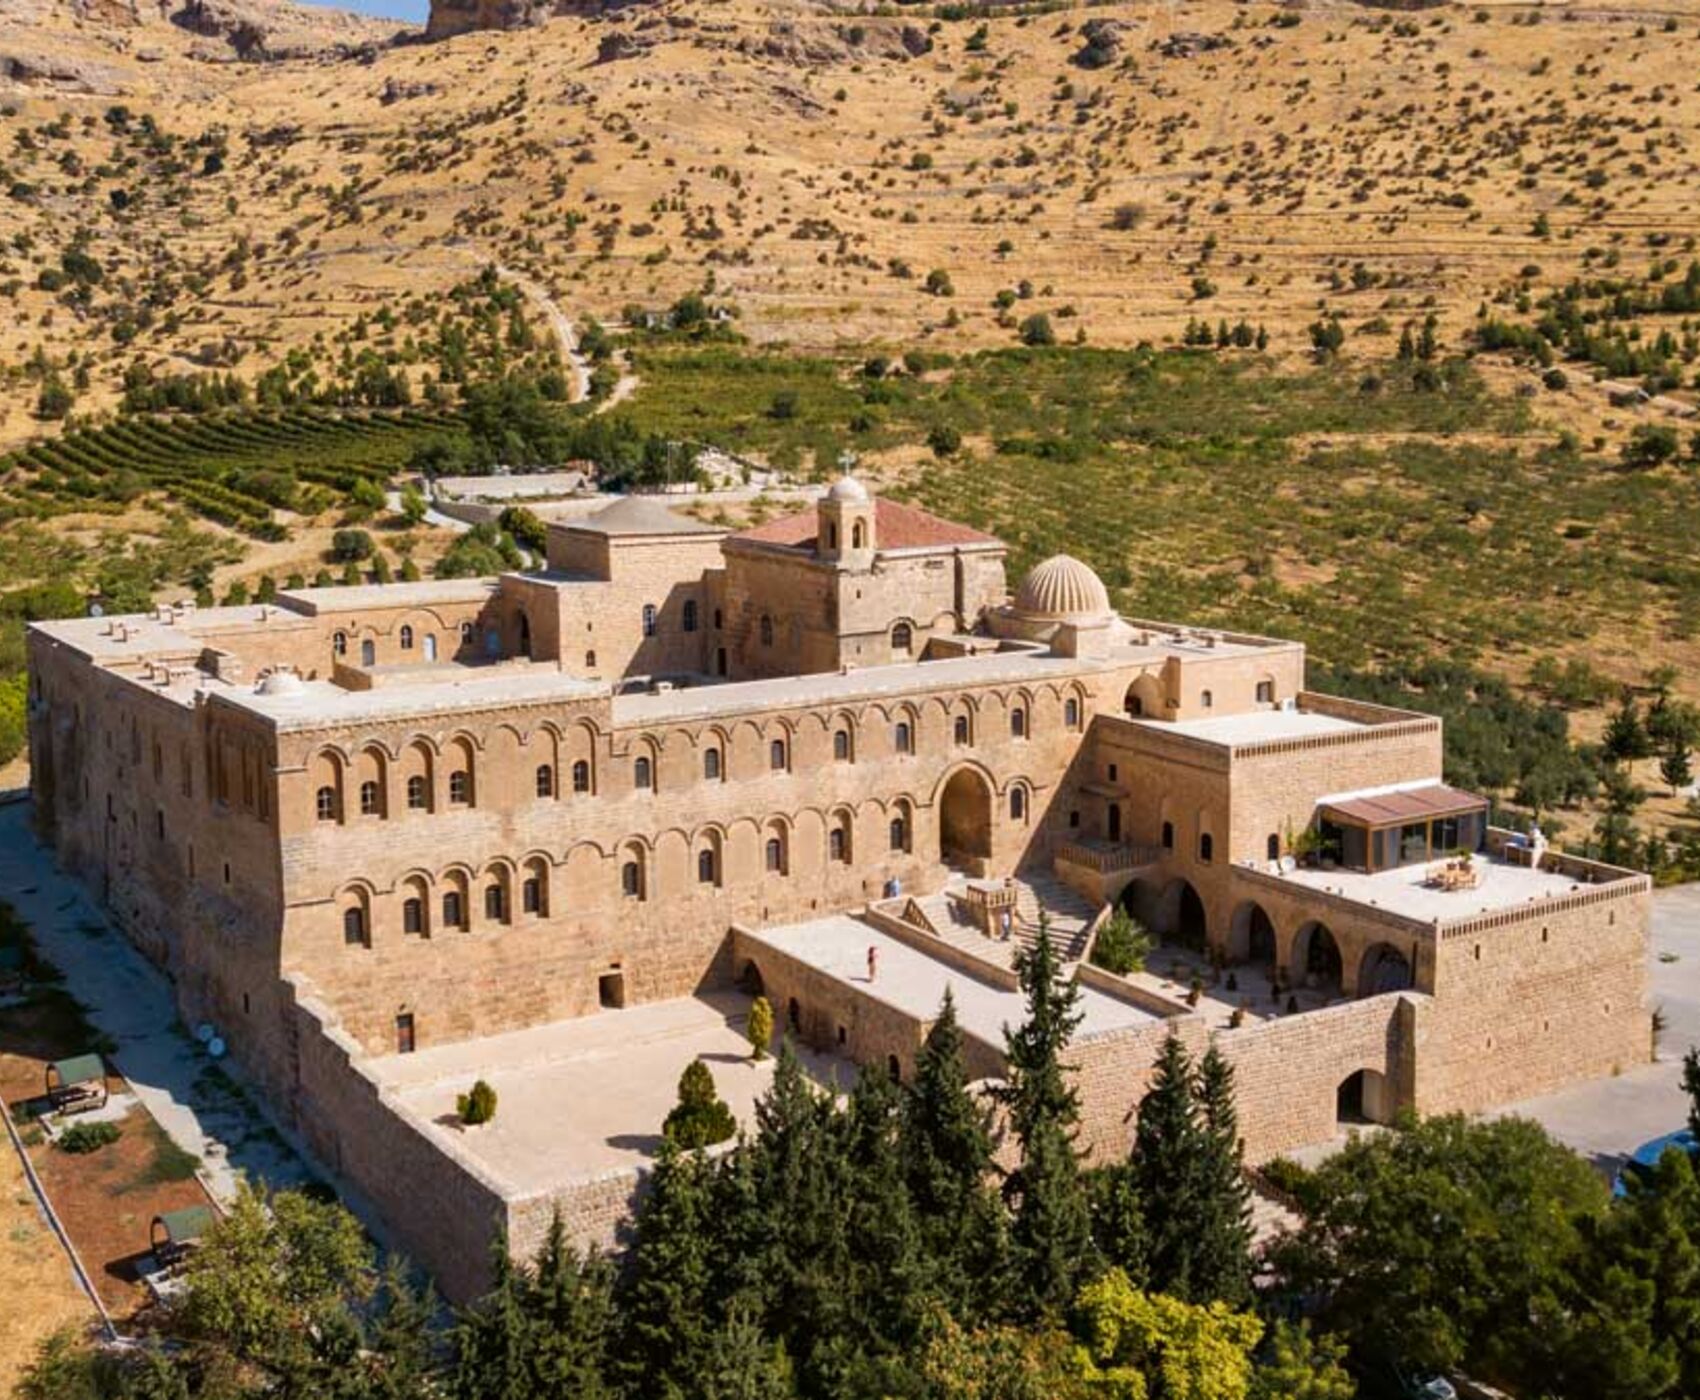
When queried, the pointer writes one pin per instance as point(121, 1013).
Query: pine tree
point(887, 1278)
point(945, 1143)
point(1222, 1237)
point(400, 1337)
point(493, 1341)
point(667, 1299)
point(571, 1302)
point(1051, 1232)
point(1691, 1086)
point(1626, 737)
point(1675, 768)
point(1118, 1219)
point(742, 1363)
point(1167, 1164)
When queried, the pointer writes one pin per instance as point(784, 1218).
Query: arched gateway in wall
point(965, 819)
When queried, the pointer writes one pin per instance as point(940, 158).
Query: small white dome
point(848, 489)
point(280, 683)
point(1061, 587)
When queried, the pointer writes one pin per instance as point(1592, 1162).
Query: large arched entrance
point(965, 820)
point(1252, 934)
point(1180, 916)
point(1316, 963)
point(1384, 969)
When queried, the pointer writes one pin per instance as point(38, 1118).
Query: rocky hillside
point(177, 206)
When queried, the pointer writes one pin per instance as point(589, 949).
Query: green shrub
point(701, 1118)
point(1122, 945)
point(83, 1138)
point(478, 1106)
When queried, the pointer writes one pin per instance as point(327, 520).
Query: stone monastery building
point(555, 828)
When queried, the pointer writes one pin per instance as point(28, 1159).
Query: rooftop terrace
point(1406, 890)
point(915, 983)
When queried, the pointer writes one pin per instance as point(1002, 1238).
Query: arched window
point(899, 833)
point(858, 535)
point(1018, 804)
point(324, 803)
point(406, 638)
point(590, 661)
point(460, 787)
point(841, 745)
point(649, 619)
point(838, 841)
point(631, 880)
point(1018, 723)
point(524, 635)
point(766, 630)
point(706, 873)
point(776, 755)
point(1206, 699)
point(643, 774)
point(1273, 846)
point(903, 738)
point(339, 644)
point(903, 638)
point(1071, 713)
point(1206, 846)
point(416, 793)
point(413, 916)
point(961, 729)
point(690, 619)
point(1266, 692)
point(1168, 836)
point(775, 855)
point(711, 764)
point(466, 634)
point(581, 776)
point(545, 780)
point(531, 894)
point(453, 914)
point(354, 924)
point(718, 620)
point(495, 905)
point(368, 652)
point(369, 805)
point(831, 536)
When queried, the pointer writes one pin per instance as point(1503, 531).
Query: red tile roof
point(895, 527)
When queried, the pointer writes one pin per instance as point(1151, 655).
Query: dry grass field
point(1223, 160)
point(33, 1267)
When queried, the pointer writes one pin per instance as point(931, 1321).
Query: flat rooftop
point(580, 1098)
point(450, 686)
point(1405, 890)
point(1256, 727)
point(915, 983)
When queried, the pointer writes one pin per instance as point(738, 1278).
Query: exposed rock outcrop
point(452, 17)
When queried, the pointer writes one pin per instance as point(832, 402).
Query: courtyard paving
point(577, 1099)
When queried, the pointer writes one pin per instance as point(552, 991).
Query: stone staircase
point(1069, 913)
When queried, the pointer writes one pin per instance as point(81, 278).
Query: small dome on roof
point(1062, 588)
point(849, 490)
point(279, 683)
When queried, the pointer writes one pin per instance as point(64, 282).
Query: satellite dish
point(204, 1032)
point(95, 610)
point(215, 1048)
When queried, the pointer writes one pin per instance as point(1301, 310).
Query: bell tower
point(845, 533)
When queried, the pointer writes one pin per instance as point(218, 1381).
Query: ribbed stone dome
point(1062, 587)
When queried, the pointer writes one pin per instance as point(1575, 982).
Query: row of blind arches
point(328, 806)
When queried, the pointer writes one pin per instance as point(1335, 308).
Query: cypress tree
point(1118, 1219)
point(493, 1339)
point(1222, 1233)
point(400, 1339)
point(742, 1363)
point(945, 1143)
point(571, 1301)
point(1166, 1168)
point(1051, 1232)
